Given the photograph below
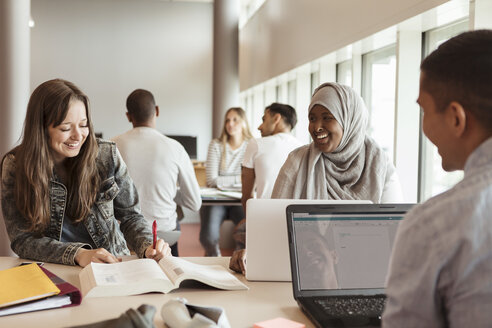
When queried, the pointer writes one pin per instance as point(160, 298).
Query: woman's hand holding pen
point(161, 250)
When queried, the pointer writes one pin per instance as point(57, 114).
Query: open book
point(146, 275)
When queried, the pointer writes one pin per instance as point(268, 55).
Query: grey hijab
point(356, 169)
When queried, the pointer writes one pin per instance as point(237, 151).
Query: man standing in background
point(159, 166)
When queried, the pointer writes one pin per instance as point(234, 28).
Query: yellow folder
point(24, 283)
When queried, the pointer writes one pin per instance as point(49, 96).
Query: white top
point(159, 165)
point(266, 156)
point(440, 272)
point(228, 175)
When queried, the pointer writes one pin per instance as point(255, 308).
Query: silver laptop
point(339, 260)
point(266, 237)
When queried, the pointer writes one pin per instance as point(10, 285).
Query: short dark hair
point(460, 70)
point(140, 105)
point(287, 112)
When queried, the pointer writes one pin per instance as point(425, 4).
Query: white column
point(14, 81)
point(480, 14)
point(328, 69)
point(258, 109)
point(357, 68)
point(303, 98)
point(225, 70)
point(407, 113)
point(270, 92)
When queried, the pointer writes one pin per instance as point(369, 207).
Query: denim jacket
point(117, 200)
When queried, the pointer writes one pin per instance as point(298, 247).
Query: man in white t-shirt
point(159, 166)
point(265, 156)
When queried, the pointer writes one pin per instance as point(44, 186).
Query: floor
point(189, 243)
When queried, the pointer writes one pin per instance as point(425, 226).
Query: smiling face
point(66, 139)
point(324, 129)
point(234, 124)
point(436, 130)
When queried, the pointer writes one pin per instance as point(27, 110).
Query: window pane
point(434, 179)
point(344, 72)
point(378, 90)
point(314, 81)
point(292, 93)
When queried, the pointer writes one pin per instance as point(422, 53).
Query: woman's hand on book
point(100, 255)
point(161, 250)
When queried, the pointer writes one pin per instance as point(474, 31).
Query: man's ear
point(128, 117)
point(156, 111)
point(456, 118)
point(277, 118)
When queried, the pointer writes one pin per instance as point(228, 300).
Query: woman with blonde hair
point(223, 170)
point(66, 196)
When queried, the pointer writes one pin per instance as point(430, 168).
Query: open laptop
point(266, 237)
point(339, 260)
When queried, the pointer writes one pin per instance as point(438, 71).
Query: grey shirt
point(441, 268)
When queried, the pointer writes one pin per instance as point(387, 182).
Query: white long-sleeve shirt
point(162, 172)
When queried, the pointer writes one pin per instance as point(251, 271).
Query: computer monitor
point(188, 142)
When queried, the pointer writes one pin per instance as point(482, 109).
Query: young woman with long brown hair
point(67, 196)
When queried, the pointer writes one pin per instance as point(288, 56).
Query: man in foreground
point(441, 268)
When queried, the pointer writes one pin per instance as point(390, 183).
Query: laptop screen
point(343, 251)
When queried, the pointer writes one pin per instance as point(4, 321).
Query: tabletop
point(263, 301)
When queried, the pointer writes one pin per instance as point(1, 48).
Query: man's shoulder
point(445, 212)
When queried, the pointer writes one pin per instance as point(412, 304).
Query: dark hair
point(140, 105)
point(48, 106)
point(460, 70)
point(287, 112)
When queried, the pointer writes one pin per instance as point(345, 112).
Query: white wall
point(111, 47)
point(285, 34)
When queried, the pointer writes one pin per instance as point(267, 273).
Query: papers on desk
point(217, 194)
point(235, 187)
point(30, 288)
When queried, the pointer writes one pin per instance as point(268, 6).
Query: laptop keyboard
point(352, 306)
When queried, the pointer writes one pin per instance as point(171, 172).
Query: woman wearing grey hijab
point(342, 162)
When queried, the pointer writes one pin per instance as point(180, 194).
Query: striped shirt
point(231, 173)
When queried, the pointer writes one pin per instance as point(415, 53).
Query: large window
point(378, 91)
point(434, 179)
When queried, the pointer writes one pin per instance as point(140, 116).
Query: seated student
point(166, 167)
point(66, 197)
point(265, 156)
point(223, 169)
point(342, 162)
point(440, 271)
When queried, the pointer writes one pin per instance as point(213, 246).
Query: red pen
point(154, 232)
